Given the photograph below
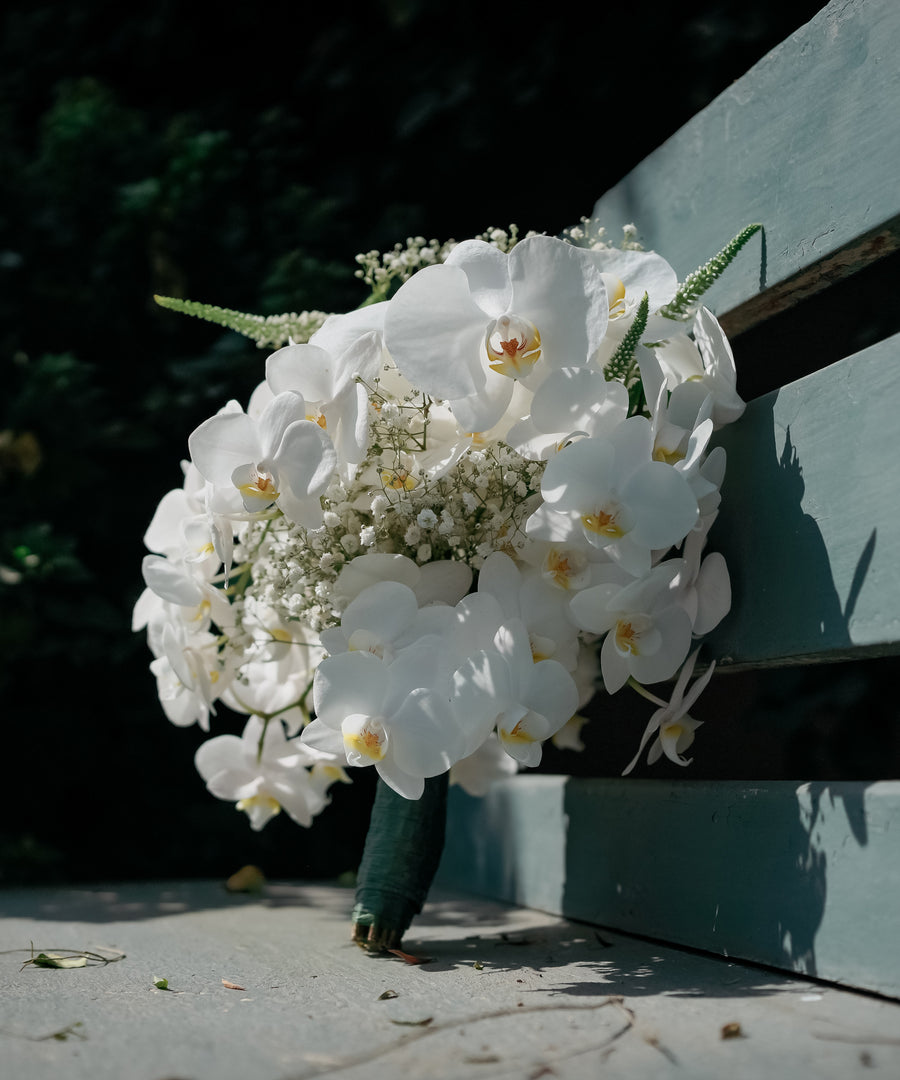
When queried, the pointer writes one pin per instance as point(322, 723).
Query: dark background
point(216, 154)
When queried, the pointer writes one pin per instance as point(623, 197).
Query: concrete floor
point(506, 992)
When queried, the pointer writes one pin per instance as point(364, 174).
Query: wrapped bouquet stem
point(401, 856)
point(442, 522)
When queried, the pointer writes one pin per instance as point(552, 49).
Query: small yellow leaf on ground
point(247, 879)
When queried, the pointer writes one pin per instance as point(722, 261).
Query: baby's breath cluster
point(383, 271)
point(589, 233)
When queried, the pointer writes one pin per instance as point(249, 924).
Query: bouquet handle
point(400, 859)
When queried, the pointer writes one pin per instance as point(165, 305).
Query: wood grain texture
point(810, 519)
point(807, 143)
point(802, 877)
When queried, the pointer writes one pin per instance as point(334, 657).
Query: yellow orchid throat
point(261, 486)
point(513, 346)
point(398, 479)
point(518, 734)
point(366, 742)
point(266, 802)
point(604, 523)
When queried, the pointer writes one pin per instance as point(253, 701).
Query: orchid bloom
point(466, 330)
point(393, 716)
point(262, 772)
point(706, 361)
point(648, 632)
point(610, 493)
point(504, 687)
point(282, 459)
point(329, 373)
point(570, 402)
point(674, 727)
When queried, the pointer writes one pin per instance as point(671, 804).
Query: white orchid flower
point(504, 687)
point(706, 362)
point(328, 373)
point(628, 275)
point(383, 619)
point(543, 609)
point(648, 631)
point(445, 581)
point(282, 459)
point(262, 772)
point(465, 330)
point(191, 674)
point(674, 726)
point(609, 493)
point(570, 402)
point(394, 716)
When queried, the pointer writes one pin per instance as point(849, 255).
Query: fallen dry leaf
point(732, 1031)
point(232, 986)
point(408, 958)
point(248, 879)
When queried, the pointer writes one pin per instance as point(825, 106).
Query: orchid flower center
point(362, 640)
point(513, 346)
point(560, 567)
point(264, 802)
point(317, 418)
point(668, 457)
point(615, 291)
point(609, 521)
point(365, 740)
point(542, 648)
point(519, 734)
point(398, 479)
point(629, 632)
point(258, 486)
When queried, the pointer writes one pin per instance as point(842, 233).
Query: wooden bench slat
point(810, 518)
point(807, 143)
point(802, 877)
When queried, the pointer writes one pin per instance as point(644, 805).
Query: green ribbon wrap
point(401, 855)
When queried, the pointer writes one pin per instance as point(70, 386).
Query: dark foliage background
point(221, 155)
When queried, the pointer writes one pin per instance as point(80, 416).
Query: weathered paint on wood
point(803, 877)
point(810, 519)
point(807, 143)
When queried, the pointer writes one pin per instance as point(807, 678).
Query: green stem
point(401, 856)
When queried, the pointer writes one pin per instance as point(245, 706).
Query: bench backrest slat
point(810, 518)
point(804, 143)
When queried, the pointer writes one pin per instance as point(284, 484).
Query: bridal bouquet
point(441, 523)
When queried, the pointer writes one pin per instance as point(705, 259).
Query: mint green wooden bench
point(801, 876)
